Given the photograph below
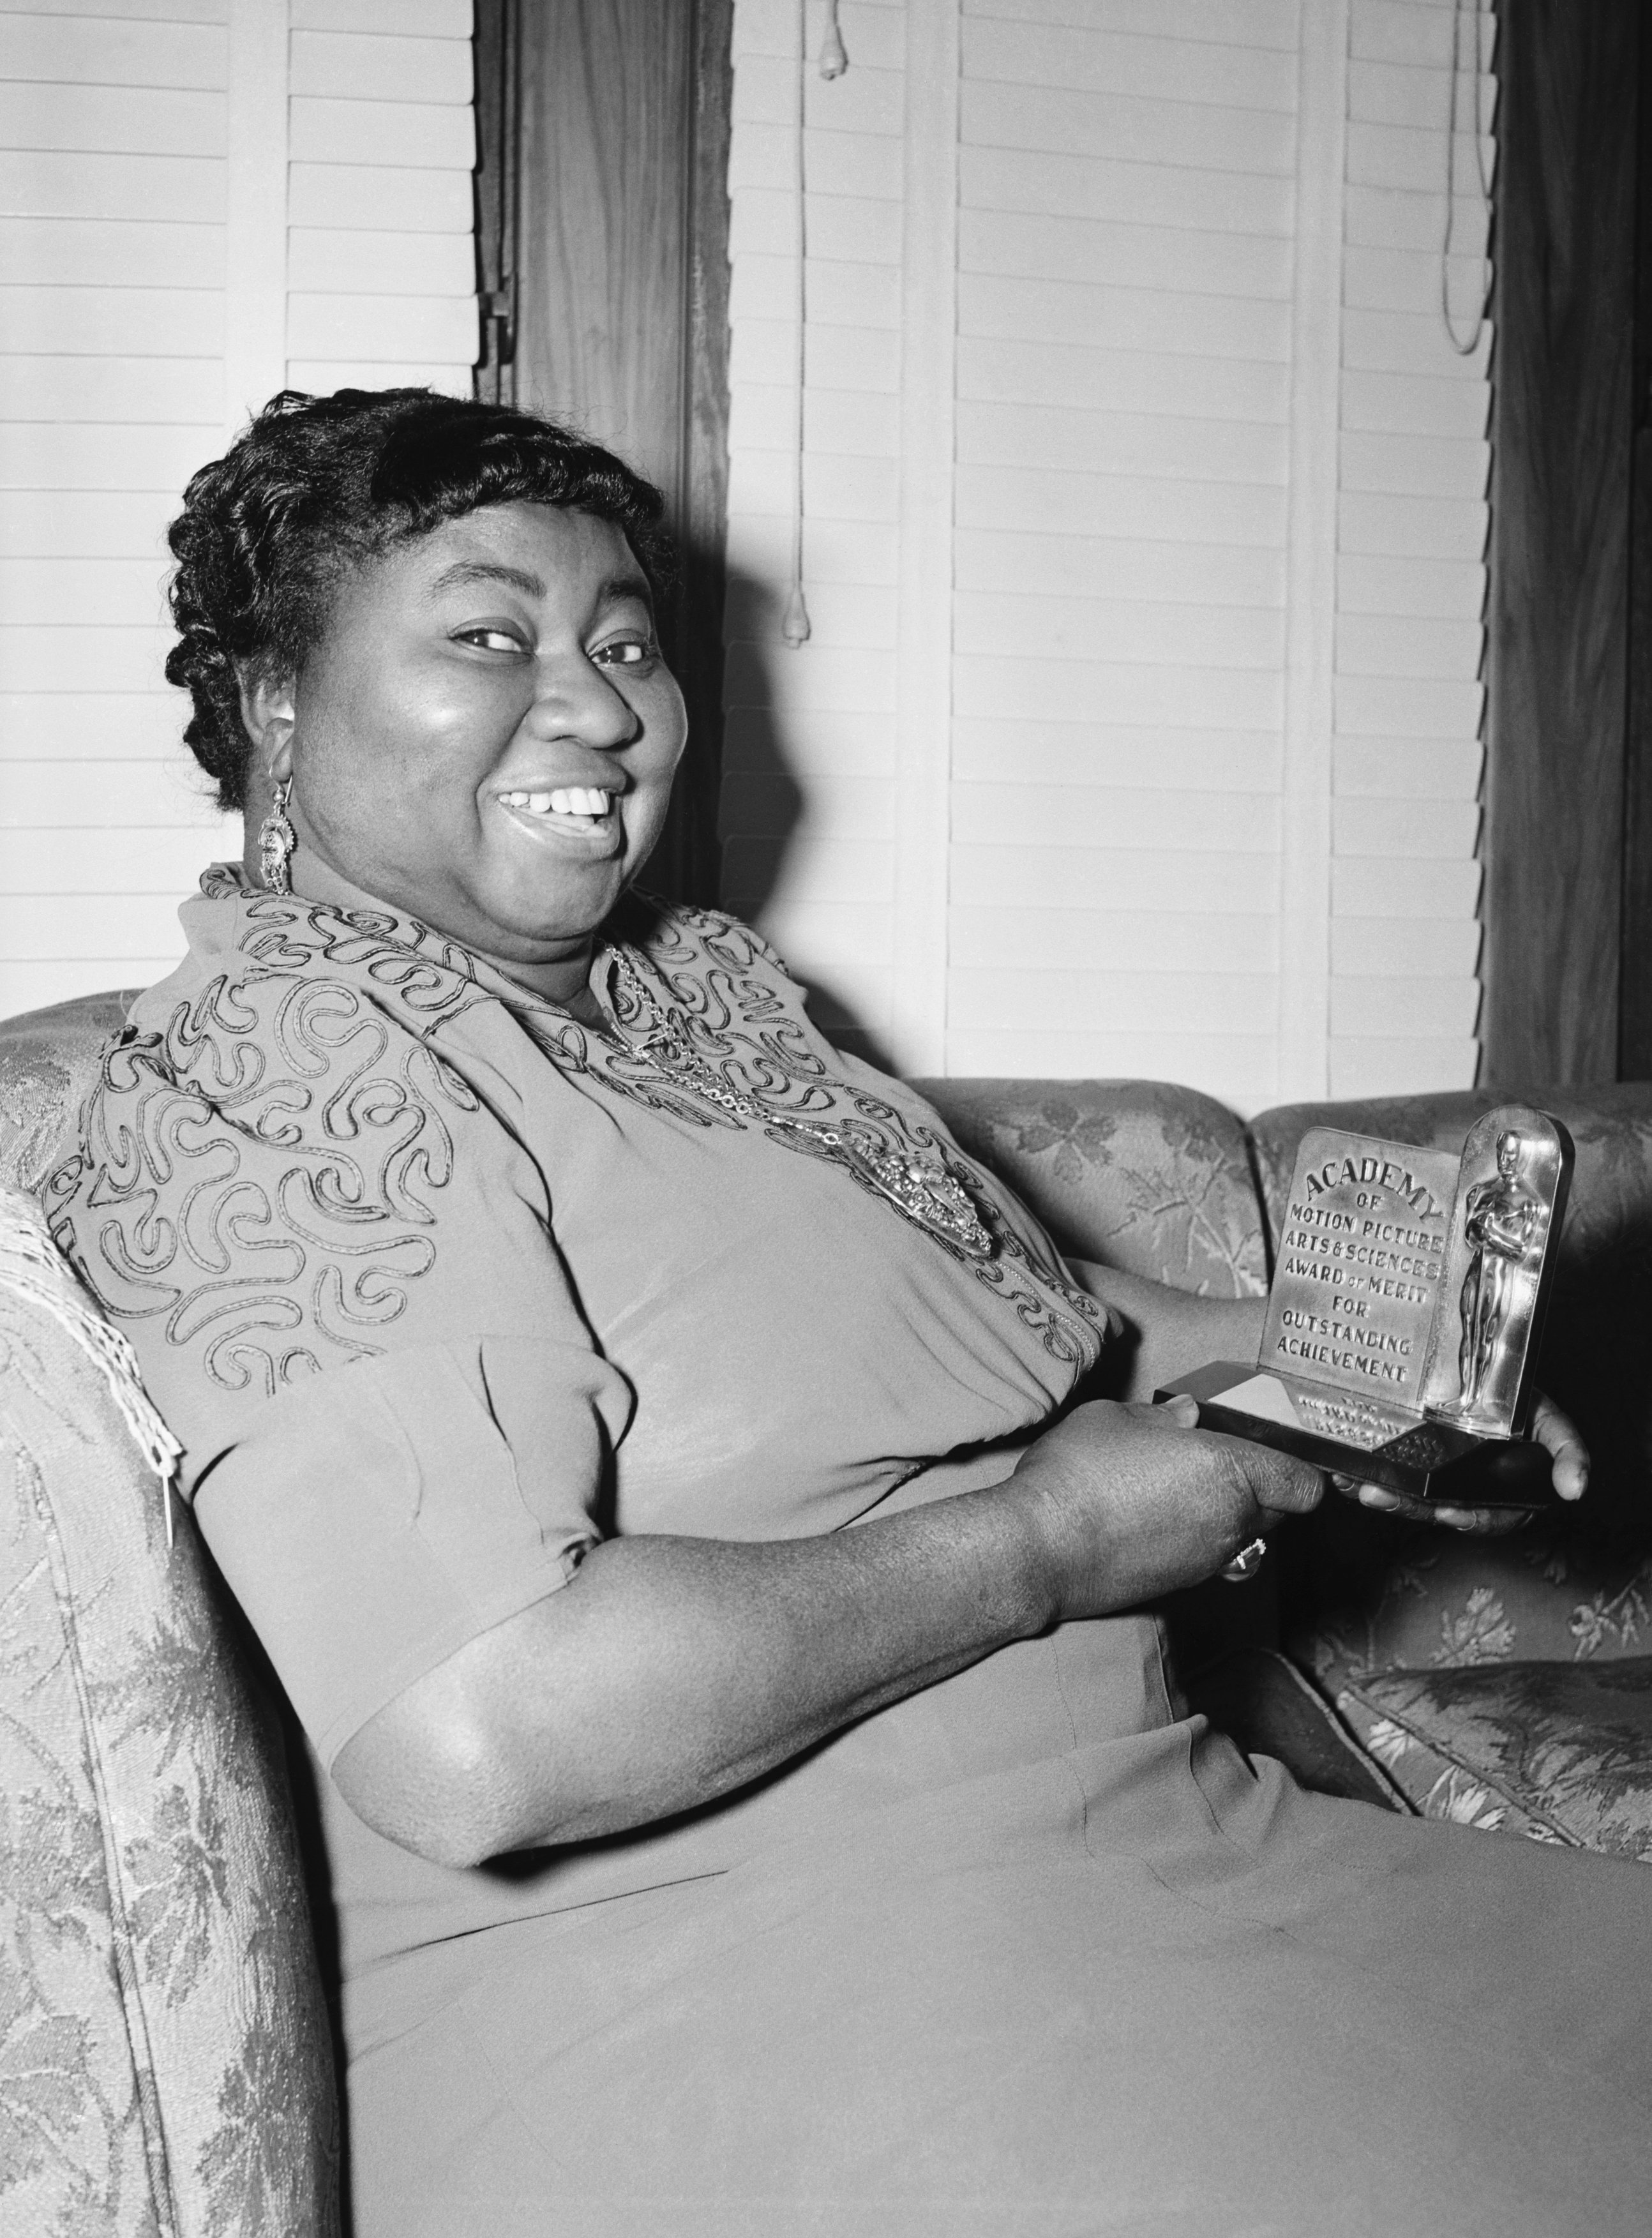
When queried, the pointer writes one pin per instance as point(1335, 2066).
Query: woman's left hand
point(1569, 1457)
point(1165, 1333)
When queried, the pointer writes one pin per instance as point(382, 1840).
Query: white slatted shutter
point(1158, 860)
point(1411, 592)
point(381, 261)
point(115, 316)
point(1124, 379)
point(818, 722)
point(112, 211)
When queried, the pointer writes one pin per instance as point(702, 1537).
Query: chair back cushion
point(165, 2059)
point(1151, 1179)
point(48, 1061)
point(1559, 1751)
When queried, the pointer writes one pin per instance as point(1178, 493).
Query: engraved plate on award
point(1407, 1301)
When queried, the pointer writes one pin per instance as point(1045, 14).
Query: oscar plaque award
point(1404, 1319)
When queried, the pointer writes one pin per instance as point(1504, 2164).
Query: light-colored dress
point(442, 1287)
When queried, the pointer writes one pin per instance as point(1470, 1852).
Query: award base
point(1414, 1454)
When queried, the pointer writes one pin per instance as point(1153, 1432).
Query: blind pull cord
point(1464, 348)
point(794, 626)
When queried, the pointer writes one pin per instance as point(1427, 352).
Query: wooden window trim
point(665, 65)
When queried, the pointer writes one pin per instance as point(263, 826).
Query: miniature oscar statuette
point(1407, 1302)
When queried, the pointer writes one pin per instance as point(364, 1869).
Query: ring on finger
point(1245, 1563)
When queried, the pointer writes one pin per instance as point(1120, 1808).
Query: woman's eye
point(625, 652)
point(490, 640)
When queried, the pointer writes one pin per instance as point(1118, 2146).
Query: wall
point(1138, 731)
point(200, 201)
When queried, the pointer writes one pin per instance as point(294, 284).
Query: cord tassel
point(794, 623)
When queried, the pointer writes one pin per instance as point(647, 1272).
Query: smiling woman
point(450, 635)
point(660, 1466)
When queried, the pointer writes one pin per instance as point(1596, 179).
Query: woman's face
point(486, 735)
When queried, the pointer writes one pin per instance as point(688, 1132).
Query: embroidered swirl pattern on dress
point(736, 1021)
point(262, 1174)
point(428, 978)
point(775, 1062)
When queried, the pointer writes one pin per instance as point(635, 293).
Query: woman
point(540, 1300)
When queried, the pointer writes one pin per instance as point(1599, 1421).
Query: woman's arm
point(1166, 1333)
point(669, 1670)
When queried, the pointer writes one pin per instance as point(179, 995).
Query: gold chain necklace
point(925, 1190)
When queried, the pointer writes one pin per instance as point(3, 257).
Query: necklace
point(925, 1190)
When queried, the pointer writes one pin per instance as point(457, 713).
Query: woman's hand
point(1165, 1333)
point(1569, 1457)
point(1133, 1501)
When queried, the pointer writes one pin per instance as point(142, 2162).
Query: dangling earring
point(276, 840)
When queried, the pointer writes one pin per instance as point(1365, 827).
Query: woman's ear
point(267, 711)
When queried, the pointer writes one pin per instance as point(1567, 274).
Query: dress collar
point(230, 911)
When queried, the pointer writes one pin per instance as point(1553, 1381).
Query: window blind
point(1410, 586)
point(1123, 369)
point(381, 265)
point(112, 196)
point(113, 161)
point(807, 813)
point(1126, 839)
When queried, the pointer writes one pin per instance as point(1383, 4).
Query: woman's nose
point(571, 700)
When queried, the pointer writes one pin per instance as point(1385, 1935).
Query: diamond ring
point(1245, 1563)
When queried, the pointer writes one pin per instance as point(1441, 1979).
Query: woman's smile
point(584, 816)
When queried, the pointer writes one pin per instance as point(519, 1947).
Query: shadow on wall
point(763, 810)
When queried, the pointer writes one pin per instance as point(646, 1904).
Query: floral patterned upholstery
point(48, 1059)
point(165, 2061)
point(1559, 1751)
point(1138, 1174)
point(1365, 1593)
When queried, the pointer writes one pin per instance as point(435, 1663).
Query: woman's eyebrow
point(488, 571)
point(628, 586)
point(466, 571)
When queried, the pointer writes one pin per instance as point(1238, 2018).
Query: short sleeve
point(371, 1522)
point(336, 1263)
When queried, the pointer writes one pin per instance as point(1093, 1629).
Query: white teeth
point(567, 800)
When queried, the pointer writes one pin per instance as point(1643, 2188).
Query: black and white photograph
point(825, 1119)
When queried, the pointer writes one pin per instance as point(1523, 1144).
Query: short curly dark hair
point(319, 486)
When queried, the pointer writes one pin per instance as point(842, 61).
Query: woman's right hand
point(1132, 1501)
